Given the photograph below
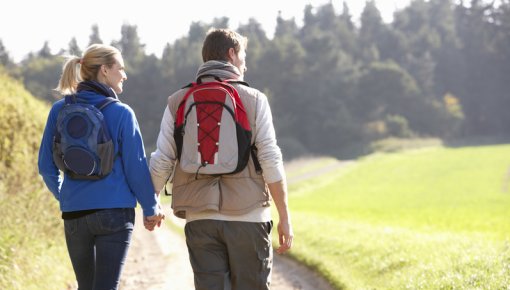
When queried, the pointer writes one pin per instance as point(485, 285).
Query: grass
point(302, 166)
point(433, 218)
point(32, 248)
point(32, 245)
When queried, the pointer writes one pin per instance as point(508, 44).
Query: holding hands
point(150, 222)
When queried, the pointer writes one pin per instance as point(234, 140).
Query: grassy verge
point(433, 218)
point(32, 248)
point(302, 166)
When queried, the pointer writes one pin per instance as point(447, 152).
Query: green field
point(435, 218)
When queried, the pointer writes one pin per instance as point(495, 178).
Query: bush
point(398, 126)
point(291, 148)
point(398, 144)
point(32, 246)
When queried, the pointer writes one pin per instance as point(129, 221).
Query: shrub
point(32, 248)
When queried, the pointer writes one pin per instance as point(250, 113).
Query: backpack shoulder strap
point(188, 86)
point(108, 100)
point(70, 99)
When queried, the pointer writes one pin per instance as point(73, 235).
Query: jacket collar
point(221, 69)
point(98, 88)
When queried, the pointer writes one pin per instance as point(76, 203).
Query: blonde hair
point(90, 63)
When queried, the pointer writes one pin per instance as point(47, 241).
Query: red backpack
point(212, 131)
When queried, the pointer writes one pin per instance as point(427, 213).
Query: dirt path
point(159, 260)
point(156, 260)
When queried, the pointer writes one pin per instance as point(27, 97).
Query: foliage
point(21, 128)
point(403, 144)
point(94, 35)
point(433, 218)
point(5, 59)
point(41, 75)
point(440, 69)
point(32, 249)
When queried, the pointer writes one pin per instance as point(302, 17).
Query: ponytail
point(69, 80)
point(93, 58)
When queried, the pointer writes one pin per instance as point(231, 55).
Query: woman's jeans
point(98, 245)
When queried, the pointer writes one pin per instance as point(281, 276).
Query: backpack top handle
point(199, 79)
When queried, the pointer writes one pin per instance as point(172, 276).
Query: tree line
point(440, 69)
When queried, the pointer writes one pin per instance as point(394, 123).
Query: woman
point(99, 213)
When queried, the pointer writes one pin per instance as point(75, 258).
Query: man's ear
point(231, 54)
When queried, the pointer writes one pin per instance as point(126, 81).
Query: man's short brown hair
point(219, 41)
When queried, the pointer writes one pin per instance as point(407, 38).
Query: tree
point(45, 51)
point(483, 91)
point(257, 43)
point(438, 65)
point(285, 27)
point(94, 36)
point(197, 31)
point(74, 49)
point(220, 22)
point(5, 59)
point(41, 75)
point(133, 51)
point(146, 91)
point(385, 88)
point(346, 16)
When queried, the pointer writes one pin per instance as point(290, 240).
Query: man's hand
point(150, 222)
point(285, 234)
point(285, 237)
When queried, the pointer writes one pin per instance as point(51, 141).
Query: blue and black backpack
point(82, 145)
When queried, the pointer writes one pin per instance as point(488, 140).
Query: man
point(228, 217)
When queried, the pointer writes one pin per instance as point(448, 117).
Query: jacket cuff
point(150, 211)
point(153, 210)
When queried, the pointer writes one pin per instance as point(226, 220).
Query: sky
point(26, 24)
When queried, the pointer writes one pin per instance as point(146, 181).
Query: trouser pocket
point(115, 220)
point(71, 226)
